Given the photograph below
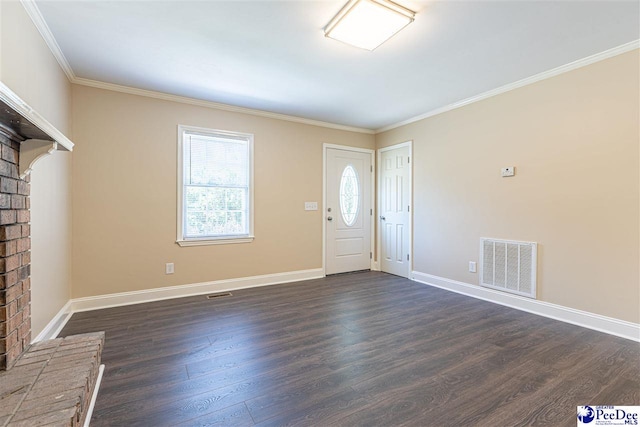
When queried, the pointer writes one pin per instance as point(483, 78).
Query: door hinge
point(408, 159)
point(408, 208)
point(370, 255)
point(370, 211)
point(407, 257)
point(371, 168)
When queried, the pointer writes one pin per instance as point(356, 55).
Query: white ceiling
point(273, 56)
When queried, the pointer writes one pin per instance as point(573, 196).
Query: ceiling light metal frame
point(386, 4)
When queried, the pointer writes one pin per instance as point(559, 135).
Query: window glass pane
point(205, 198)
point(194, 223)
point(235, 198)
point(349, 195)
point(214, 211)
point(215, 161)
point(216, 174)
point(235, 222)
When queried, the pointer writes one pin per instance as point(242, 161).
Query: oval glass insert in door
point(349, 195)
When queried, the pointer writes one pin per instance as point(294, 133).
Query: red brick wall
point(15, 255)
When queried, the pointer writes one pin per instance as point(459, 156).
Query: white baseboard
point(148, 295)
point(56, 324)
point(94, 396)
point(585, 319)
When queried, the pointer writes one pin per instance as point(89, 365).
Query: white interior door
point(348, 210)
point(395, 209)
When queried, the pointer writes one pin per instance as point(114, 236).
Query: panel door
point(348, 211)
point(395, 206)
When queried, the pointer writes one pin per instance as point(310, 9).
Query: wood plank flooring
point(360, 349)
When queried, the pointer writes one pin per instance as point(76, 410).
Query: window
point(349, 195)
point(215, 186)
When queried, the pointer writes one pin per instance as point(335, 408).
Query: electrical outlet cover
point(169, 268)
point(508, 171)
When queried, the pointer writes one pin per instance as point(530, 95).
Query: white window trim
point(229, 239)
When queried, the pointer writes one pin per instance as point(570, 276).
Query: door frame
point(379, 204)
point(325, 147)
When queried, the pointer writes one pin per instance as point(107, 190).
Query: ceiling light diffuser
point(368, 23)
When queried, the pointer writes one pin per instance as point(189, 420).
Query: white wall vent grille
point(509, 266)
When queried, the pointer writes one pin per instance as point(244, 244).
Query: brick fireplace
point(25, 138)
point(53, 381)
point(15, 255)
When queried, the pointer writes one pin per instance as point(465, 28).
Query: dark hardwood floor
point(361, 349)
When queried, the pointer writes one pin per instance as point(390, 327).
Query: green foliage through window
point(216, 179)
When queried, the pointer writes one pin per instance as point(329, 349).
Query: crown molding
point(215, 105)
point(35, 15)
point(627, 47)
point(38, 20)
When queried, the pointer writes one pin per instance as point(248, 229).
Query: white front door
point(348, 210)
point(394, 209)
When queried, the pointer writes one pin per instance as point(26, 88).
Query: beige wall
point(50, 238)
point(29, 69)
point(573, 139)
point(574, 142)
point(124, 194)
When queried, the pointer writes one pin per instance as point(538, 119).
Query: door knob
point(383, 218)
point(329, 218)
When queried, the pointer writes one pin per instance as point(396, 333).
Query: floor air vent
point(509, 266)
point(220, 295)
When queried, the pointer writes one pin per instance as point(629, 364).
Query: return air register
point(219, 295)
point(509, 266)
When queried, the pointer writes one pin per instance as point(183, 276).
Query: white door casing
point(347, 209)
point(394, 209)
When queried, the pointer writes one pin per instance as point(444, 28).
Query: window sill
point(221, 241)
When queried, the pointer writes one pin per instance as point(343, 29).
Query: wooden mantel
point(39, 137)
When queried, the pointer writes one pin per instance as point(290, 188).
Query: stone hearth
point(52, 382)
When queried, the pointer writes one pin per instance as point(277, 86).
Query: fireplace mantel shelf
point(39, 137)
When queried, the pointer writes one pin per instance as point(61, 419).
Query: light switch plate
point(310, 206)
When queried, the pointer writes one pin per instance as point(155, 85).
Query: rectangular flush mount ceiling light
point(368, 23)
